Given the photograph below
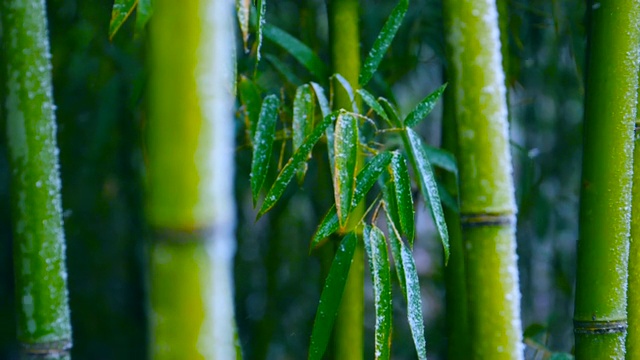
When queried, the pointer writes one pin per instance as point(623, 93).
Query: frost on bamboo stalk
point(190, 201)
point(633, 309)
point(44, 329)
point(600, 317)
point(487, 204)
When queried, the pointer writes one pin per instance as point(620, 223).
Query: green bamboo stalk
point(487, 204)
point(633, 298)
point(600, 317)
point(190, 203)
point(345, 56)
point(44, 328)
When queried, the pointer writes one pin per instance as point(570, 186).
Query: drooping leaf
point(428, 185)
point(243, 9)
point(121, 11)
point(349, 89)
point(325, 109)
point(442, 159)
point(404, 199)
point(379, 262)
point(250, 98)
point(143, 14)
point(424, 107)
point(331, 296)
point(262, 12)
point(371, 101)
point(391, 203)
point(283, 69)
point(364, 182)
point(391, 111)
point(303, 110)
point(395, 243)
point(263, 143)
point(289, 170)
point(298, 50)
point(383, 41)
point(414, 302)
point(346, 158)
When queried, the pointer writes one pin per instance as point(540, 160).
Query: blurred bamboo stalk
point(633, 302)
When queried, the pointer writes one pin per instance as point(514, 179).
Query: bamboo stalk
point(633, 307)
point(600, 317)
point(190, 180)
point(487, 204)
point(44, 328)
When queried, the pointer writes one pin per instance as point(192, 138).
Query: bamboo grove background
point(99, 89)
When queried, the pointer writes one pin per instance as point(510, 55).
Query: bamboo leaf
point(395, 243)
point(383, 41)
point(325, 109)
point(298, 50)
point(331, 297)
point(243, 9)
point(262, 11)
point(346, 156)
point(403, 197)
point(364, 182)
point(371, 101)
point(424, 107)
point(414, 302)
point(121, 11)
point(143, 14)
point(429, 187)
point(250, 98)
point(447, 199)
point(347, 87)
point(303, 110)
point(283, 69)
point(263, 143)
point(379, 262)
point(391, 111)
point(442, 159)
point(289, 170)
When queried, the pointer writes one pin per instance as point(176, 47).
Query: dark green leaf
point(414, 302)
point(303, 111)
point(404, 199)
point(346, 158)
point(262, 143)
point(374, 104)
point(121, 11)
point(428, 185)
point(143, 14)
point(289, 170)
point(391, 111)
point(262, 11)
point(396, 245)
point(243, 9)
point(383, 41)
point(250, 98)
point(331, 296)
point(298, 50)
point(442, 159)
point(424, 107)
point(447, 199)
point(283, 69)
point(364, 182)
point(325, 109)
point(349, 89)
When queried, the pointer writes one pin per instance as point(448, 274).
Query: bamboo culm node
point(600, 327)
point(476, 220)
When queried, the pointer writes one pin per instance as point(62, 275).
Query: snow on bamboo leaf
point(379, 262)
point(243, 8)
point(331, 296)
point(383, 42)
point(391, 111)
point(250, 98)
point(349, 89)
point(414, 302)
point(289, 170)
point(303, 110)
point(364, 182)
point(262, 143)
point(346, 157)
point(121, 11)
point(262, 11)
point(143, 14)
point(374, 104)
point(395, 244)
point(424, 107)
point(404, 199)
point(428, 185)
point(298, 50)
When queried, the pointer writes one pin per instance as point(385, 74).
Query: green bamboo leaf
point(250, 98)
point(383, 41)
point(331, 296)
point(424, 107)
point(289, 170)
point(395, 243)
point(143, 14)
point(429, 187)
point(298, 50)
point(364, 182)
point(391, 111)
point(447, 199)
point(389, 196)
point(326, 110)
point(121, 11)
point(442, 159)
point(371, 101)
point(263, 143)
point(262, 11)
point(243, 10)
point(303, 111)
point(414, 302)
point(283, 69)
point(404, 199)
point(346, 157)
point(349, 89)
point(379, 262)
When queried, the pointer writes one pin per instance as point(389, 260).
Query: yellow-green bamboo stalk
point(44, 328)
point(190, 203)
point(633, 307)
point(487, 203)
point(344, 34)
point(600, 317)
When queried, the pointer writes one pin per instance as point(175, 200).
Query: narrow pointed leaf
point(371, 101)
point(303, 111)
point(383, 41)
point(404, 199)
point(284, 70)
point(331, 297)
point(325, 109)
point(262, 12)
point(391, 111)
point(298, 50)
point(379, 263)
point(424, 107)
point(391, 203)
point(448, 200)
point(346, 157)
point(414, 302)
point(428, 185)
point(395, 243)
point(121, 11)
point(349, 89)
point(250, 98)
point(243, 9)
point(364, 182)
point(143, 14)
point(442, 159)
point(289, 170)
point(263, 143)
